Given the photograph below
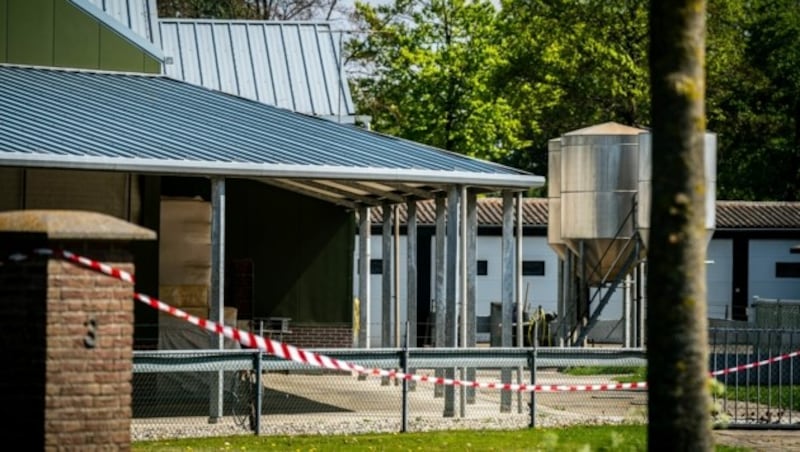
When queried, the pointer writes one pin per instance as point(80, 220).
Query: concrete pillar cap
point(72, 225)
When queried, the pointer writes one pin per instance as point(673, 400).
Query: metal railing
point(200, 393)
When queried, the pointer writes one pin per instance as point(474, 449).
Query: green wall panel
point(151, 65)
point(77, 37)
point(3, 30)
point(30, 32)
point(57, 33)
point(117, 54)
point(301, 248)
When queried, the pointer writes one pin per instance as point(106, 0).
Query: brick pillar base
point(70, 332)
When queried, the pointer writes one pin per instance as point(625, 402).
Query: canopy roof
point(56, 118)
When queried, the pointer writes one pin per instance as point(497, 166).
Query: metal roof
point(291, 65)
point(730, 215)
point(58, 118)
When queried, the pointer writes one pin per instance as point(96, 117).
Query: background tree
point(677, 342)
point(428, 75)
point(754, 98)
point(571, 64)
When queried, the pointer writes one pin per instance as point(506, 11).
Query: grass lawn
point(589, 438)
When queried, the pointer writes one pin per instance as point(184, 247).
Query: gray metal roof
point(155, 124)
point(291, 65)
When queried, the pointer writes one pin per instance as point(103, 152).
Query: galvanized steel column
point(518, 272)
point(507, 284)
point(216, 313)
point(386, 278)
point(217, 299)
point(438, 302)
point(364, 259)
point(472, 271)
point(411, 272)
point(450, 327)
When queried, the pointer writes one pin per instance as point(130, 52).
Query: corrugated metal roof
point(155, 124)
point(489, 212)
point(131, 19)
point(729, 214)
point(758, 215)
point(291, 65)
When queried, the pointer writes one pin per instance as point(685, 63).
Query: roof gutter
point(203, 168)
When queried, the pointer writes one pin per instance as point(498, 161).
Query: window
point(532, 268)
point(375, 266)
point(787, 269)
point(483, 267)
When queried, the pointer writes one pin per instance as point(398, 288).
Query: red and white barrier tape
point(771, 360)
point(292, 353)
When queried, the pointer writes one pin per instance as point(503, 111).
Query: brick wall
point(89, 356)
point(67, 345)
point(311, 335)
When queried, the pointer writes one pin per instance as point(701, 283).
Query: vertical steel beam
point(518, 272)
point(411, 272)
point(450, 327)
point(386, 277)
point(364, 276)
point(438, 303)
point(217, 298)
point(507, 287)
point(472, 272)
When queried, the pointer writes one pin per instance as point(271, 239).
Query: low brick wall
point(310, 335)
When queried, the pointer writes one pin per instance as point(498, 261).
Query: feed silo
point(646, 178)
point(554, 238)
point(599, 183)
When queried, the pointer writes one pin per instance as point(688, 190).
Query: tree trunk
point(677, 337)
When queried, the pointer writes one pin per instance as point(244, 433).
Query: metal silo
point(645, 181)
point(599, 182)
point(554, 238)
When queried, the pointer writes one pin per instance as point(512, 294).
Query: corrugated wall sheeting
point(291, 65)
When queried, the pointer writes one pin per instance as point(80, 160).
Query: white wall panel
point(764, 254)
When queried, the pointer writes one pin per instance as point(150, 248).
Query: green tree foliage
point(572, 64)
point(500, 83)
point(429, 68)
point(754, 98)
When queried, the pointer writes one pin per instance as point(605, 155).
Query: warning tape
point(771, 360)
point(292, 353)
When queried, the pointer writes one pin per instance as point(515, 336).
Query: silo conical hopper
point(554, 238)
point(599, 181)
point(646, 178)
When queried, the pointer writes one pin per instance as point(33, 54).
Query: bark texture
point(677, 344)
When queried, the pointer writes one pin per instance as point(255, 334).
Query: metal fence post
point(259, 391)
point(404, 365)
point(532, 367)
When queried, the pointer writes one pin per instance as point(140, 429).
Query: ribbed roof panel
point(730, 214)
point(94, 119)
point(291, 65)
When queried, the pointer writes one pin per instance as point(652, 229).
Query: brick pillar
point(66, 331)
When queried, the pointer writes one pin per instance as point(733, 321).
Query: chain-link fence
point(223, 392)
point(212, 393)
point(760, 371)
